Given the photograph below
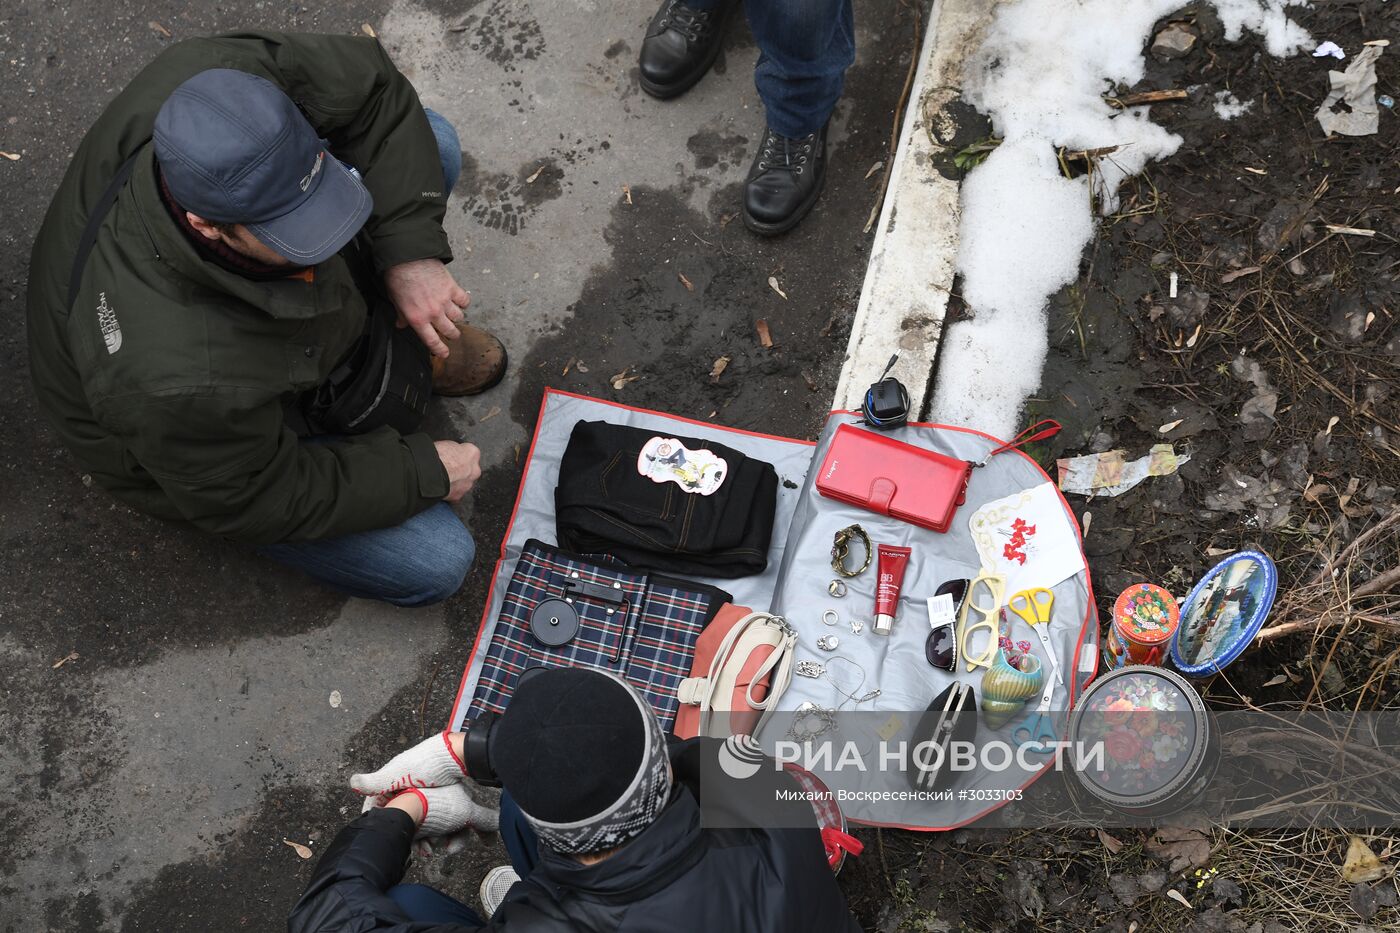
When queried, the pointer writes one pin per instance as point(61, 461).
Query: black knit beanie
point(583, 756)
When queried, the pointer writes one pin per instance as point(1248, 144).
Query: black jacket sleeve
point(347, 892)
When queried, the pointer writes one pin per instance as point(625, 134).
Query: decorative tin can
point(1145, 617)
point(1223, 613)
point(1159, 747)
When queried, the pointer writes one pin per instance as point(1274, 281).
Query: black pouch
point(385, 380)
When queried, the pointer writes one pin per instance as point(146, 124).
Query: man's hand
point(463, 465)
point(428, 299)
point(434, 762)
point(444, 814)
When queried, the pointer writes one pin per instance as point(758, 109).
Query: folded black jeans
point(603, 504)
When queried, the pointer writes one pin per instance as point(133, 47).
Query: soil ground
point(1261, 281)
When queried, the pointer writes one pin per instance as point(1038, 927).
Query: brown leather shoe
point(475, 362)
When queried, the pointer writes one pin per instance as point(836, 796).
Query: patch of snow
point(1228, 106)
point(1040, 75)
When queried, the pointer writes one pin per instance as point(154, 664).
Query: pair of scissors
point(1035, 607)
point(1039, 727)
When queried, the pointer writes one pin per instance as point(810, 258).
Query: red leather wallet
point(887, 476)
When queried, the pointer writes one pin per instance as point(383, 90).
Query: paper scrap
point(1329, 48)
point(1029, 537)
point(1109, 474)
point(1356, 88)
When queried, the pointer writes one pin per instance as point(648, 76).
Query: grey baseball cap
point(234, 149)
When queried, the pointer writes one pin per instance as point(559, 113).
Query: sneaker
point(495, 886)
point(475, 362)
point(680, 46)
point(784, 181)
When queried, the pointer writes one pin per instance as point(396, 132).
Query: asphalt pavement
point(165, 698)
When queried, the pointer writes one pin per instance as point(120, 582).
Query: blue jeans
point(421, 561)
point(429, 905)
point(417, 562)
point(805, 47)
point(449, 148)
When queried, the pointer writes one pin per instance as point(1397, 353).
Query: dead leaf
point(159, 28)
point(773, 284)
point(1370, 319)
point(1084, 524)
point(1132, 926)
point(1109, 842)
point(1314, 492)
point(569, 365)
point(335, 699)
point(495, 410)
point(368, 30)
point(727, 219)
point(1361, 864)
point(298, 848)
point(1349, 231)
point(717, 370)
point(1170, 426)
point(1184, 848)
point(623, 378)
point(1180, 898)
point(874, 168)
point(1275, 680)
point(1332, 423)
point(811, 382)
point(12, 156)
point(689, 286)
point(534, 175)
point(765, 339)
point(1196, 335)
point(1229, 277)
point(627, 193)
point(1257, 171)
point(70, 656)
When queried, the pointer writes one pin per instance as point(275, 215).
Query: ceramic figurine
point(1008, 684)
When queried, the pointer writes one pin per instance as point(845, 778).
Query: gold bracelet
point(840, 550)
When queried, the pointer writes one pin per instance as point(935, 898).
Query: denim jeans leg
point(805, 47)
point(420, 561)
point(449, 148)
point(518, 836)
point(423, 904)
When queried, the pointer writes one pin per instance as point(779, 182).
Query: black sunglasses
point(941, 648)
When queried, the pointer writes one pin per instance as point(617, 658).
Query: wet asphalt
point(155, 774)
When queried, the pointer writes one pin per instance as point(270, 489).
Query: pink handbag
point(743, 663)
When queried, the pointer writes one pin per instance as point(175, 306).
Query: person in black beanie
point(601, 817)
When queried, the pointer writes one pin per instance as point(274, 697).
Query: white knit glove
point(430, 763)
point(449, 812)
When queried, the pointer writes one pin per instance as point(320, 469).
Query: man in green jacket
point(273, 183)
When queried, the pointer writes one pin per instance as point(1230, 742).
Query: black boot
point(680, 46)
point(784, 181)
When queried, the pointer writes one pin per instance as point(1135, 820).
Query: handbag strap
point(1037, 432)
point(779, 663)
point(94, 223)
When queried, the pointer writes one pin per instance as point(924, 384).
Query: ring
point(836, 588)
point(830, 617)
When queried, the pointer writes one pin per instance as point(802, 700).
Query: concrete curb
point(910, 275)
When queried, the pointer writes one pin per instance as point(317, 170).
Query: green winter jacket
point(169, 376)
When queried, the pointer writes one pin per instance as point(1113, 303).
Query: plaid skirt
point(648, 637)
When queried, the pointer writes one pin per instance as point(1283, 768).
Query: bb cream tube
point(891, 561)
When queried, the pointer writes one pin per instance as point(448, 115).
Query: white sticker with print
point(667, 460)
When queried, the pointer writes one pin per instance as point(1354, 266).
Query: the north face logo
point(107, 321)
point(306, 181)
